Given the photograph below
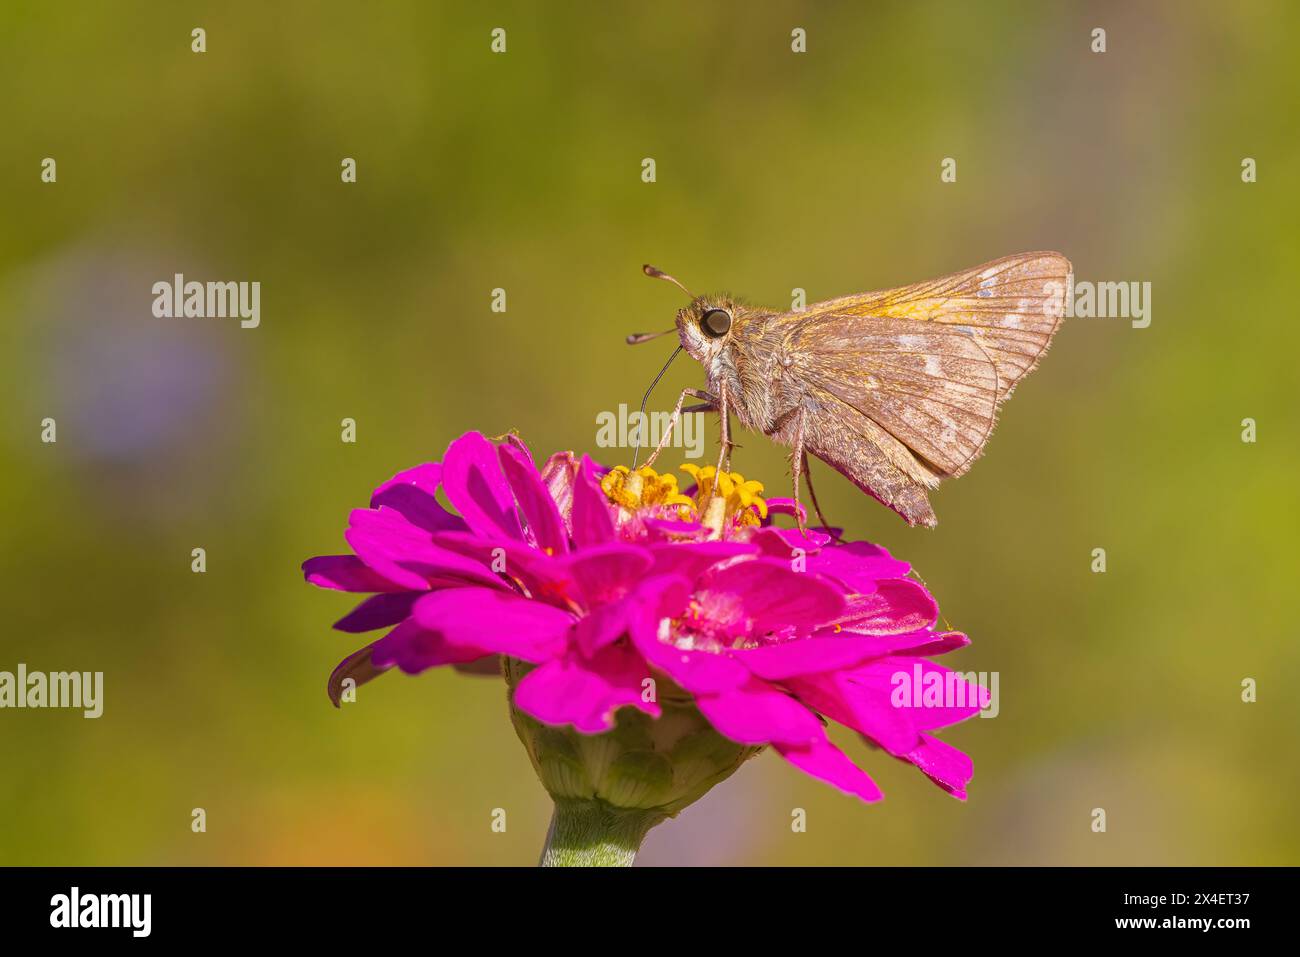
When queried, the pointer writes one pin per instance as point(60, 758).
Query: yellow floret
point(644, 488)
point(742, 502)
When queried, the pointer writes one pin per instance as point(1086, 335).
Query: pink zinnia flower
point(607, 590)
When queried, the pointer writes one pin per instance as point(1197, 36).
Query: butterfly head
point(704, 327)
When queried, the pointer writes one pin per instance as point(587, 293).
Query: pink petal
point(520, 446)
point(943, 764)
point(756, 713)
point(495, 621)
point(913, 643)
point(665, 529)
point(779, 505)
point(558, 475)
point(664, 597)
point(601, 626)
point(543, 575)
point(859, 699)
point(592, 523)
point(535, 502)
point(933, 696)
point(414, 648)
point(896, 606)
point(925, 644)
point(605, 573)
point(413, 494)
point(772, 595)
point(426, 478)
point(378, 611)
point(408, 555)
point(471, 476)
point(781, 542)
point(585, 693)
point(858, 565)
point(824, 761)
point(692, 559)
point(345, 573)
point(357, 666)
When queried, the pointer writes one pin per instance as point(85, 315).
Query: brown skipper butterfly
point(897, 390)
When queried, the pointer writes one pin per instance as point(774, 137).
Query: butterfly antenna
point(636, 453)
point(654, 273)
point(639, 337)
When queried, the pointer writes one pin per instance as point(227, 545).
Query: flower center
point(726, 499)
point(644, 488)
point(723, 502)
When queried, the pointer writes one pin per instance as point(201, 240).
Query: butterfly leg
point(799, 464)
point(724, 441)
point(807, 477)
point(710, 401)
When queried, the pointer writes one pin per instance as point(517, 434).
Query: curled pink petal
point(923, 644)
point(896, 606)
point(943, 764)
point(356, 668)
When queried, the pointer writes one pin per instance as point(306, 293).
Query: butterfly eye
point(715, 323)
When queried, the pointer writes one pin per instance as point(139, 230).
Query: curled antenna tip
point(654, 273)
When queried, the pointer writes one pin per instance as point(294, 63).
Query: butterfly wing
point(930, 363)
point(908, 381)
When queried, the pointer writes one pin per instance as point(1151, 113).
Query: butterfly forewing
point(930, 362)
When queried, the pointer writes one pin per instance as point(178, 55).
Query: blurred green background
point(775, 170)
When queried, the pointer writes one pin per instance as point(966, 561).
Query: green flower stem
point(595, 834)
